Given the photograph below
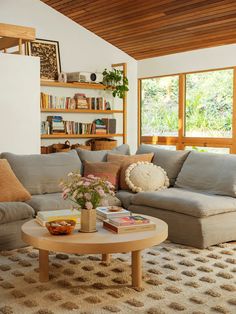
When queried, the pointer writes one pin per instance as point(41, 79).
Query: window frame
point(181, 141)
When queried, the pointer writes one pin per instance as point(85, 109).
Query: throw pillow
point(11, 188)
point(170, 160)
point(105, 170)
point(125, 161)
point(144, 176)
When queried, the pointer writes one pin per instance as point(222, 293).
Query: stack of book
point(99, 127)
point(56, 124)
point(128, 224)
point(104, 213)
point(81, 101)
point(46, 216)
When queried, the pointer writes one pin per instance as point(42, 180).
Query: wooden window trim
point(181, 141)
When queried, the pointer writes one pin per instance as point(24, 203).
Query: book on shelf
point(56, 125)
point(128, 229)
point(106, 212)
point(110, 125)
point(46, 216)
point(78, 101)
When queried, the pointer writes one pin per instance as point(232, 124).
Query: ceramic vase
point(88, 220)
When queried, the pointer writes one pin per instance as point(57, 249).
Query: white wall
point(80, 49)
point(197, 60)
point(19, 104)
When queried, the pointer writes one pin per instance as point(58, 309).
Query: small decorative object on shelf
point(117, 80)
point(87, 193)
point(49, 53)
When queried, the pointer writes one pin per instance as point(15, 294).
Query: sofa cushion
point(186, 202)
point(124, 162)
point(104, 170)
point(170, 160)
point(11, 190)
point(52, 201)
point(208, 172)
point(42, 173)
point(125, 197)
point(101, 155)
point(14, 211)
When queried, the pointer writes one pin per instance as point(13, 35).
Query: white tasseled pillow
point(145, 176)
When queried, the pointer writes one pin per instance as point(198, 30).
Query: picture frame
point(49, 54)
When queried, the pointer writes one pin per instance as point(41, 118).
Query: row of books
point(56, 125)
point(123, 221)
point(79, 101)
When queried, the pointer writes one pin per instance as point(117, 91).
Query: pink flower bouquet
point(86, 192)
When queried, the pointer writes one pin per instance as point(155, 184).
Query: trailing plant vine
point(117, 80)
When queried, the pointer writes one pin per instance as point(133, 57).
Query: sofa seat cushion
point(41, 174)
point(125, 197)
point(209, 173)
point(51, 201)
point(14, 211)
point(186, 202)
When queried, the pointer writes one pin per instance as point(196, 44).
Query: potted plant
point(117, 81)
point(87, 193)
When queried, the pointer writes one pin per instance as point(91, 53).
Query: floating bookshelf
point(74, 85)
point(82, 111)
point(78, 85)
point(51, 136)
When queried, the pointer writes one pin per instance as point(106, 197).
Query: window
point(209, 103)
point(159, 106)
point(190, 110)
point(218, 150)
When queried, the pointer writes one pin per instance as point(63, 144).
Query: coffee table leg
point(136, 269)
point(43, 266)
point(106, 258)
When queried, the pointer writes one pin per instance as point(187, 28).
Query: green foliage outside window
point(208, 105)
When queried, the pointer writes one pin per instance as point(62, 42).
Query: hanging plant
point(117, 80)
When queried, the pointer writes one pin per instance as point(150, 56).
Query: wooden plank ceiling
point(151, 28)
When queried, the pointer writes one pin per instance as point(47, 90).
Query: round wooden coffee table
point(102, 242)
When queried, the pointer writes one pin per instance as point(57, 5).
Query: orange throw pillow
point(124, 161)
point(11, 190)
point(105, 170)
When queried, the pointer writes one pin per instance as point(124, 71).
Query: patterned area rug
point(176, 279)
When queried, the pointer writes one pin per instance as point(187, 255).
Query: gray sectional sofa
point(199, 206)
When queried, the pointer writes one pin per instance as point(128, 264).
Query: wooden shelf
point(52, 136)
point(14, 35)
point(74, 85)
point(82, 111)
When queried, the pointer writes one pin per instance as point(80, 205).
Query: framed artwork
point(48, 51)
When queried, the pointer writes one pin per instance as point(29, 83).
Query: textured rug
point(176, 279)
